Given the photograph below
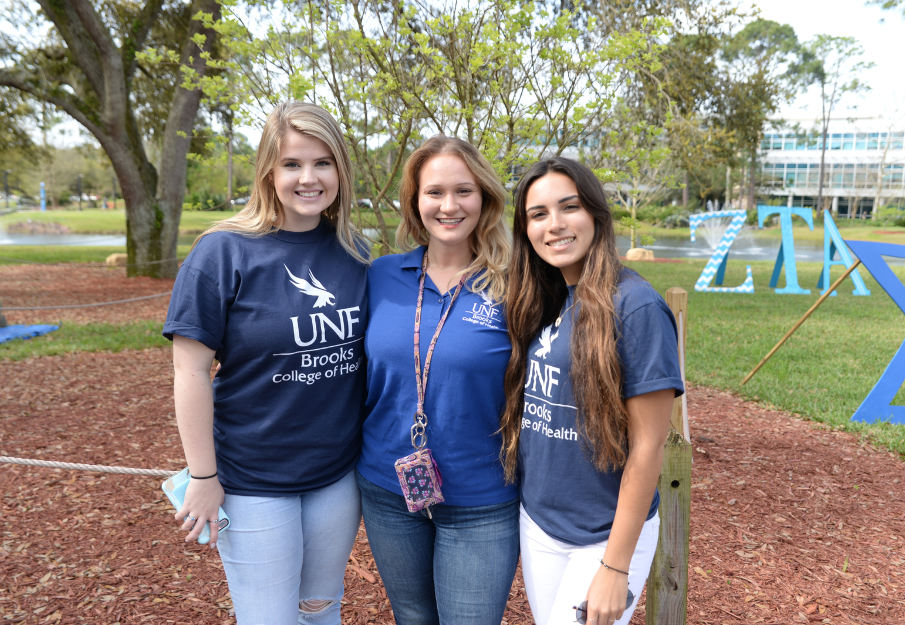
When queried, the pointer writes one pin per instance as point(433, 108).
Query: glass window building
point(864, 162)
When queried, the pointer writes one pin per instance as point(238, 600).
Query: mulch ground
point(790, 522)
point(61, 285)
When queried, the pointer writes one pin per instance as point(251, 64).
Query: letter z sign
point(877, 406)
point(716, 266)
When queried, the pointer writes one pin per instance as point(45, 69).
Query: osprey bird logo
point(486, 298)
point(546, 341)
point(323, 296)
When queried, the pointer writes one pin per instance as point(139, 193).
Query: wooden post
point(667, 585)
point(677, 300)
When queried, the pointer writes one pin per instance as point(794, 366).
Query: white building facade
point(864, 166)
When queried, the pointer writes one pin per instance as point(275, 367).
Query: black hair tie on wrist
point(207, 477)
point(607, 566)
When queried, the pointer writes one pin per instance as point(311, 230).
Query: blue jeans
point(285, 557)
point(456, 568)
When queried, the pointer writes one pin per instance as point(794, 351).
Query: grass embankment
point(91, 337)
point(66, 253)
point(865, 231)
point(824, 370)
point(98, 221)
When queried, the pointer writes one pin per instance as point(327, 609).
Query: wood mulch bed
point(61, 285)
point(790, 522)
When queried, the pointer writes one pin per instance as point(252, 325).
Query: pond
point(746, 247)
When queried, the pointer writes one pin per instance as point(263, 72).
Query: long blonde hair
point(264, 212)
point(490, 241)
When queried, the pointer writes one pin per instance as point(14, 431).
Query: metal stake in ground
point(811, 310)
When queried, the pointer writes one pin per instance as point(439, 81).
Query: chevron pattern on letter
point(738, 221)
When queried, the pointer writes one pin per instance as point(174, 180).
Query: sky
point(881, 33)
point(882, 43)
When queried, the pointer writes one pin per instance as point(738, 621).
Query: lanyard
point(418, 430)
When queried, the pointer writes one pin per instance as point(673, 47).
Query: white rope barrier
point(119, 301)
point(85, 467)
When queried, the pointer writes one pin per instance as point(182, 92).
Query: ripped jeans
point(285, 557)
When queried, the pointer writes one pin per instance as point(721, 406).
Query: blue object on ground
point(787, 247)
point(877, 406)
point(716, 266)
point(832, 242)
point(24, 332)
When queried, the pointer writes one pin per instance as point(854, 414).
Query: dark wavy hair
point(535, 297)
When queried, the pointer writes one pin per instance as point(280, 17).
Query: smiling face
point(559, 228)
point(306, 180)
point(449, 201)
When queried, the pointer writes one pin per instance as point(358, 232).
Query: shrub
point(891, 216)
point(205, 200)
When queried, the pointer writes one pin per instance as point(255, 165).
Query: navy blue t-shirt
point(286, 314)
point(464, 396)
point(560, 488)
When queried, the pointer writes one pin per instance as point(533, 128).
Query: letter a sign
point(877, 406)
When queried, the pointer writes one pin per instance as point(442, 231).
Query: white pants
point(558, 575)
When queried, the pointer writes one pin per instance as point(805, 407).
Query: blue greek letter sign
point(716, 266)
point(877, 406)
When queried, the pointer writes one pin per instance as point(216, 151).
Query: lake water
point(746, 247)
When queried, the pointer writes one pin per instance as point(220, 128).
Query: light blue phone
point(174, 489)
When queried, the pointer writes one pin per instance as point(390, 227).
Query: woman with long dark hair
point(589, 388)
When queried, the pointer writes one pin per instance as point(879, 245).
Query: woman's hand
point(606, 597)
point(195, 419)
point(203, 499)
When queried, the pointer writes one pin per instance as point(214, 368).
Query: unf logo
point(544, 378)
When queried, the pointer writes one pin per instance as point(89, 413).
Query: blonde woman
point(438, 309)
point(277, 294)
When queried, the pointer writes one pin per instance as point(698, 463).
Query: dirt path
point(55, 285)
point(790, 523)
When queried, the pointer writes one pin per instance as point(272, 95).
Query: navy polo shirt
point(464, 397)
point(561, 489)
point(286, 315)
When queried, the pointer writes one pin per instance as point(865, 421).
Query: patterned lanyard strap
point(418, 431)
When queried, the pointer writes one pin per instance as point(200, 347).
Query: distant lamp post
point(80, 191)
point(6, 186)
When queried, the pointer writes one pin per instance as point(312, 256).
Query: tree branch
point(57, 98)
point(138, 33)
point(84, 53)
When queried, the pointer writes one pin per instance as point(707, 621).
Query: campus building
point(865, 162)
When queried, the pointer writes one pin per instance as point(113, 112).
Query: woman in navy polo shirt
point(277, 294)
point(590, 389)
point(452, 562)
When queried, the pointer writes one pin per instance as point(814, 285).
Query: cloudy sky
point(882, 44)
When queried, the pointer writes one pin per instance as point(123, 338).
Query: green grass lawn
point(98, 221)
point(856, 230)
point(823, 371)
point(65, 253)
point(92, 337)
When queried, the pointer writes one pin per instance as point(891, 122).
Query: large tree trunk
point(158, 221)
point(106, 65)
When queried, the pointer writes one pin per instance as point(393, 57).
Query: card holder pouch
point(420, 479)
point(174, 488)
